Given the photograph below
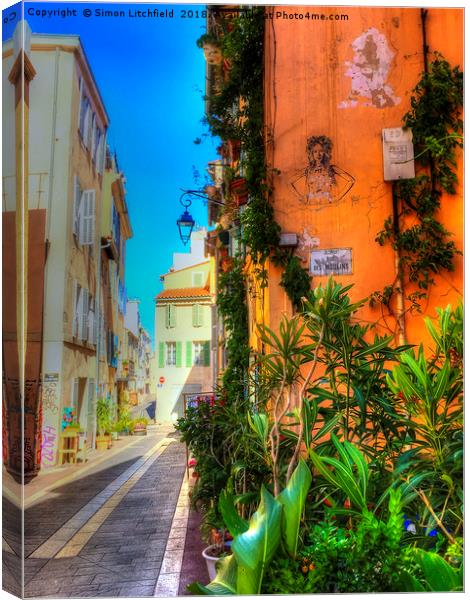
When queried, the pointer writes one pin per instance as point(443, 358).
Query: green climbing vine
point(231, 304)
point(425, 247)
point(243, 46)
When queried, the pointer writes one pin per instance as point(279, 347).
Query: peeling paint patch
point(306, 241)
point(369, 72)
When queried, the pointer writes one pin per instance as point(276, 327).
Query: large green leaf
point(260, 425)
point(255, 547)
point(293, 499)
point(235, 524)
point(225, 582)
point(440, 576)
point(409, 583)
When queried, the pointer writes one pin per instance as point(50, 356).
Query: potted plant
point(124, 425)
point(103, 422)
point(214, 532)
point(115, 430)
point(140, 426)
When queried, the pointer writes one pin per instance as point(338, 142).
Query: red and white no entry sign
point(162, 380)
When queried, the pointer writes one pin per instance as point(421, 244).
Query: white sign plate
point(336, 261)
point(398, 154)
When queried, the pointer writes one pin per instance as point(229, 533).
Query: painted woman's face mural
point(320, 183)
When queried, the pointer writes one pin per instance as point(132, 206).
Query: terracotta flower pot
point(101, 442)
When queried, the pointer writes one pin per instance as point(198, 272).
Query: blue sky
point(151, 77)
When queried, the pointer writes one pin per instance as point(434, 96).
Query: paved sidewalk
point(106, 533)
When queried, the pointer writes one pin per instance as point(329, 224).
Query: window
point(83, 217)
point(198, 354)
point(201, 354)
point(198, 315)
point(83, 326)
point(170, 315)
point(171, 354)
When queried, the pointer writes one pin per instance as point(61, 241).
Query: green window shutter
point(197, 315)
point(207, 354)
point(172, 315)
point(167, 316)
point(189, 354)
point(161, 355)
point(200, 315)
point(179, 352)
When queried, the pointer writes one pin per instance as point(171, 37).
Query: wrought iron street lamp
point(186, 222)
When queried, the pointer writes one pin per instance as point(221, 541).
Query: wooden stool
point(68, 447)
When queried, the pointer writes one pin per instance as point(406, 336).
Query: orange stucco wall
point(312, 71)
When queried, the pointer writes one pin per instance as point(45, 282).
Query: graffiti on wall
point(49, 393)
point(369, 71)
point(320, 183)
point(50, 416)
point(49, 438)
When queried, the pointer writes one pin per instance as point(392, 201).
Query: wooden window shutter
point(101, 153)
point(75, 300)
point(80, 102)
point(207, 354)
point(87, 221)
point(91, 321)
point(179, 352)
point(189, 354)
point(79, 311)
point(85, 307)
point(161, 355)
point(198, 312)
point(77, 197)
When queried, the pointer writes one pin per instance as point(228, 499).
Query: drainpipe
point(98, 337)
point(400, 305)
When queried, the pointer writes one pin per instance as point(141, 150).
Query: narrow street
point(117, 529)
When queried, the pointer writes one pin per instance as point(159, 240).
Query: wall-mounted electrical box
point(288, 240)
point(398, 154)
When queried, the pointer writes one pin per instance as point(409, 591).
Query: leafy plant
point(354, 364)
point(435, 119)
point(103, 416)
point(296, 281)
point(431, 394)
point(255, 543)
point(438, 575)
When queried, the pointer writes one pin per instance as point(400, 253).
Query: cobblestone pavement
point(107, 534)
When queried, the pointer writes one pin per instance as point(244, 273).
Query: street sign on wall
point(335, 261)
